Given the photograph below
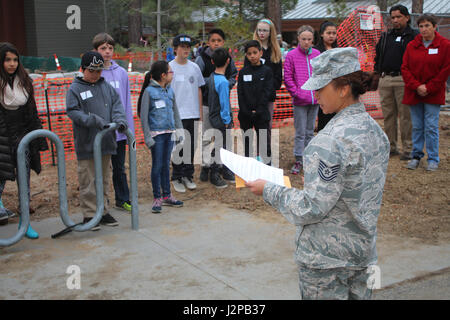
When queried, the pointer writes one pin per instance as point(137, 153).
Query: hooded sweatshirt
point(297, 70)
point(91, 106)
point(207, 68)
point(117, 77)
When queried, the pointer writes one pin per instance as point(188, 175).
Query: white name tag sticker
point(86, 95)
point(247, 77)
point(398, 39)
point(160, 104)
point(115, 84)
point(179, 78)
point(433, 51)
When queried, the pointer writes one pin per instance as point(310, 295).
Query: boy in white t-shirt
point(186, 83)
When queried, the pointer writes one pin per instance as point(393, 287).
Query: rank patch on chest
point(327, 173)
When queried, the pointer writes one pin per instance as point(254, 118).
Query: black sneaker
point(394, 153)
point(204, 174)
point(3, 217)
point(94, 228)
point(108, 220)
point(227, 174)
point(405, 156)
point(217, 180)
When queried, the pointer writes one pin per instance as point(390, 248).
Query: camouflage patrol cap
point(332, 64)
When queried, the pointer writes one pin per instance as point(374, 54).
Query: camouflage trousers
point(334, 284)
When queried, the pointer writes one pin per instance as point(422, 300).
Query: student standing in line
point(297, 70)
point(327, 41)
point(160, 119)
point(186, 83)
point(266, 34)
point(91, 104)
point(18, 117)
point(255, 84)
point(216, 39)
point(220, 116)
point(117, 77)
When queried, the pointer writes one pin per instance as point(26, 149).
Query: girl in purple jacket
point(297, 70)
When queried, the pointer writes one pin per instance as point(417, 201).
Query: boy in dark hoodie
point(255, 83)
point(91, 104)
point(216, 39)
point(220, 116)
point(117, 77)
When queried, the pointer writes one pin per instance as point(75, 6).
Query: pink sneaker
point(156, 206)
point(297, 167)
point(171, 201)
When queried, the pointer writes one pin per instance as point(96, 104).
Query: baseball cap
point(182, 38)
point(332, 64)
point(92, 60)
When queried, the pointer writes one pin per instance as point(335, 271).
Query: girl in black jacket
point(18, 116)
point(327, 41)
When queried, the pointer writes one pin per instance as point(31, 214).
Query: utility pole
point(158, 28)
point(203, 17)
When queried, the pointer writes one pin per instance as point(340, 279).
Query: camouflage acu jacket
point(336, 214)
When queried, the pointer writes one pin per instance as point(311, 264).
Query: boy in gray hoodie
point(91, 104)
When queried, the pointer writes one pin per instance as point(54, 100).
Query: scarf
point(14, 97)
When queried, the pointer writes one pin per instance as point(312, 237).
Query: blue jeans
point(425, 130)
point(161, 153)
point(119, 176)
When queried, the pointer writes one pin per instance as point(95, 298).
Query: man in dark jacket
point(388, 61)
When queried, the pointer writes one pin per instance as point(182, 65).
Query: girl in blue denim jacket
point(160, 120)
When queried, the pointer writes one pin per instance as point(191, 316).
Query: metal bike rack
point(133, 173)
point(23, 185)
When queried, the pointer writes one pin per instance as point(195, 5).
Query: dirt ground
point(415, 203)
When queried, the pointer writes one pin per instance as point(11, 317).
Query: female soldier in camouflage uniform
point(345, 169)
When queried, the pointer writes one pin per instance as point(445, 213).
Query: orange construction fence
point(50, 98)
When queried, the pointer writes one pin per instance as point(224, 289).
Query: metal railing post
point(23, 183)
point(63, 206)
point(133, 180)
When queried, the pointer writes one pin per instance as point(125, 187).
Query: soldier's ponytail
point(359, 82)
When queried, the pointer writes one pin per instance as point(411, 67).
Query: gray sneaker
point(178, 185)
point(413, 164)
point(189, 183)
point(432, 166)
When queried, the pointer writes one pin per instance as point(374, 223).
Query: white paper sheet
point(250, 169)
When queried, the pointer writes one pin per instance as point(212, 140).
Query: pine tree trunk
point(382, 4)
point(417, 6)
point(274, 13)
point(134, 22)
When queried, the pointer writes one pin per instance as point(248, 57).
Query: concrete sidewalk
point(185, 253)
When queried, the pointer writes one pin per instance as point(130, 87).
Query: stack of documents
point(250, 169)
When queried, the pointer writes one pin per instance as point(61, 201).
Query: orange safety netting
point(362, 30)
point(52, 109)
